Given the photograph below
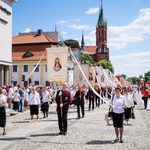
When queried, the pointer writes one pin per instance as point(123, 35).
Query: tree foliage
point(86, 58)
point(133, 80)
point(147, 76)
point(106, 65)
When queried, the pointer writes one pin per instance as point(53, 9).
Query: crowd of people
point(20, 99)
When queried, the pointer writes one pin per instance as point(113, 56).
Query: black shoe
point(120, 141)
point(60, 133)
point(64, 133)
point(115, 141)
point(4, 133)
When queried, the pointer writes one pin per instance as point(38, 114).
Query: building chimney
point(39, 32)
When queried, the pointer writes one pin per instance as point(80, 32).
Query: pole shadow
point(44, 134)
point(100, 142)
point(12, 138)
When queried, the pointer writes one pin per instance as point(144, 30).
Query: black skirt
point(16, 105)
point(118, 120)
point(34, 109)
point(127, 113)
point(2, 117)
point(45, 107)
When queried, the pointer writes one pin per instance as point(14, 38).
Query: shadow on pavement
point(12, 139)
point(44, 134)
point(21, 122)
point(94, 142)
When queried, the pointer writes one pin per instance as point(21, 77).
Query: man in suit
point(63, 100)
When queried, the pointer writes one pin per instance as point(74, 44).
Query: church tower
point(102, 52)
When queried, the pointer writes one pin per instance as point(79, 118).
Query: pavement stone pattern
point(89, 133)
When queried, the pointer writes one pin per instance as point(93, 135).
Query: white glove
point(61, 105)
point(60, 93)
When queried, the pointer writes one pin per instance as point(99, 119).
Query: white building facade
point(5, 40)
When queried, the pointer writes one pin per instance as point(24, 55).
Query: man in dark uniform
point(79, 97)
point(63, 100)
point(90, 95)
point(97, 99)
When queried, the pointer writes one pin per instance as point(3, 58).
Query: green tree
point(106, 65)
point(147, 76)
point(86, 58)
point(133, 80)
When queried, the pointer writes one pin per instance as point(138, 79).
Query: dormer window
point(27, 54)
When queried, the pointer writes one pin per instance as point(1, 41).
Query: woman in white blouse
point(130, 104)
point(119, 103)
point(3, 101)
point(34, 101)
point(45, 102)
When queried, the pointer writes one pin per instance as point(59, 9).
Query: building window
point(47, 83)
point(36, 83)
point(45, 66)
point(15, 68)
point(25, 68)
point(37, 68)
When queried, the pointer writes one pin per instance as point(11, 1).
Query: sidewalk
point(89, 133)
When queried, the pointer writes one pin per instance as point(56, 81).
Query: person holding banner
point(63, 100)
point(90, 95)
point(97, 99)
point(79, 97)
point(118, 103)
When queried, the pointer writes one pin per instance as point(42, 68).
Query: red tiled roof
point(91, 50)
point(36, 56)
point(31, 38)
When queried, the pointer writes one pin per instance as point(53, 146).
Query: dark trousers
point(91, 101)
point(62, 121)
point(145, 103)
point(82, 110)
point(20, 105)
point(97, 101)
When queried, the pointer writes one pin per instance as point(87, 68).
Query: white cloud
point(132, 64)
point(90, 38)
point(64, 33)
point(27, 30)
point(62, 21)
point(137, 31)
point(92, 11)
point(78, 26)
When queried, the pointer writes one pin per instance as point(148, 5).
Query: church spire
point(82, 41)
point(101, 15)
point(55, 28)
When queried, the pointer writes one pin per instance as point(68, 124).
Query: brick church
point(100, 51)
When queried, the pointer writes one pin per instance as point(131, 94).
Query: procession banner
point(92, 76)
point(57, 64)
point(77, 75)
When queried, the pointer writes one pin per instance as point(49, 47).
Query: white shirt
point(34, 99)
point(11, 93)
point(119, 103)
point(46, 96)
point(16, 97)
point(26, 96)
point(129, 99)
point(3, 99)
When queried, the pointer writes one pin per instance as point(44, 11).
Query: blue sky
point(128, 26)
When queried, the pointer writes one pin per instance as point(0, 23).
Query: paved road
point(89, 133)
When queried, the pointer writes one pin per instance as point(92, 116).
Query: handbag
point(110, 112)
point(132, 115)
point(143, 98)
point(135, 103)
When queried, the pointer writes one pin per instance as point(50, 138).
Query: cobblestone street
point(89, 133)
